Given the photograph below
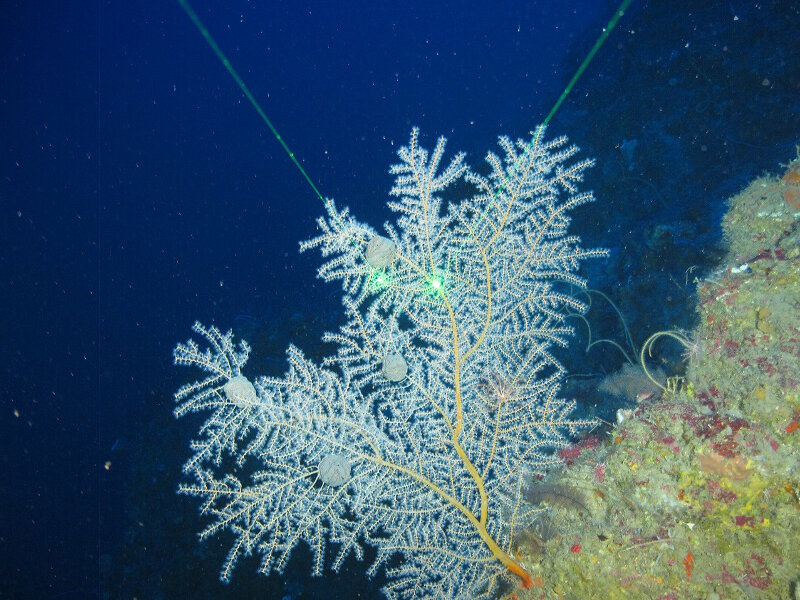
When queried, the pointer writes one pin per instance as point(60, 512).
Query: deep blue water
point(140, 191)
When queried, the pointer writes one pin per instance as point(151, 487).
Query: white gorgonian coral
point(417, 435)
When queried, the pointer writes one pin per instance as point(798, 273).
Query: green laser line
point(221, 55)
point(603, 36)
point(539, 130)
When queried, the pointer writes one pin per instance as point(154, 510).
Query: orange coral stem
point(527, 580)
